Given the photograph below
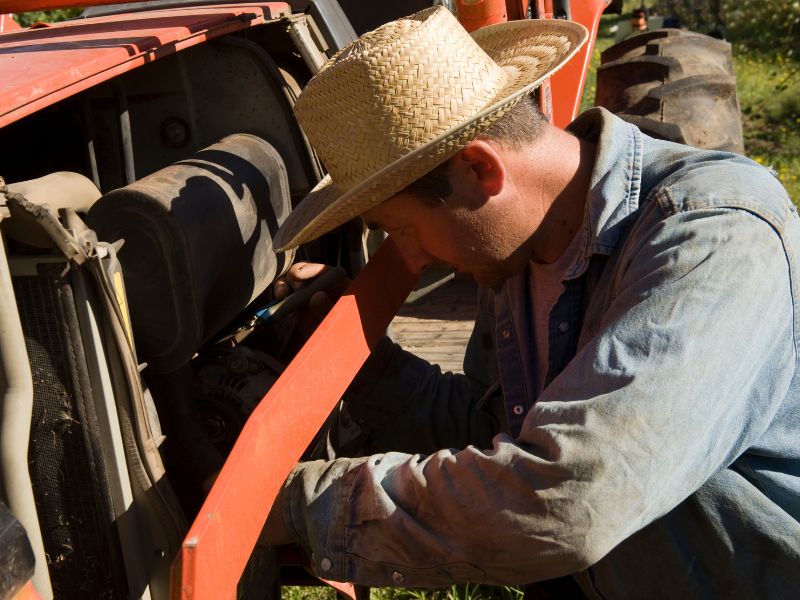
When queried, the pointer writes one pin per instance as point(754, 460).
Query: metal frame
point(560, 95)
point(330, 18)
point(567, 84)
point(130, 529)
point(16, 407)
point(223, 535)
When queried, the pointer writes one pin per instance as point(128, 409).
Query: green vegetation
point(766, 56)
point(455, 592)
point(46, 16)
point(308, 593)
point(769, 95)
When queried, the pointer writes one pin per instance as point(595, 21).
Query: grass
point(455, 592)
point(590, 87)
point(769, 95)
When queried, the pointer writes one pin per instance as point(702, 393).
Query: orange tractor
point(148, 153)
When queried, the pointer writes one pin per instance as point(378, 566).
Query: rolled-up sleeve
point(684, 373)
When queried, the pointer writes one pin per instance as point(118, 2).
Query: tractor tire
point(674, 85)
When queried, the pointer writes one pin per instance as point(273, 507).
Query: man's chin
point(492, 280)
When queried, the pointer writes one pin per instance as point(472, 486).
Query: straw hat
point(404, 98)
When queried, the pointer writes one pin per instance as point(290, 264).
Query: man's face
point(467, 232)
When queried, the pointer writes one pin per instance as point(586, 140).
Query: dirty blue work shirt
point(662, 458)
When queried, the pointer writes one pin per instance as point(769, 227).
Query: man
point(639, 19)
point(632, 420)
point(637, 24)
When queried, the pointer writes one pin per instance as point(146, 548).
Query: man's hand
point(303, 274)
point(310, 290)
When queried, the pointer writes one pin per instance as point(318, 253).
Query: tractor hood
point(43, 65)
point(20, 6)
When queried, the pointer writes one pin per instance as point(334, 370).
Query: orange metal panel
point(545, 8)
point(39, 67)
point(225, 531)
point(517, 9)
point(7, 23)
point(474, 14)
point(567, 85)
point(27, 593)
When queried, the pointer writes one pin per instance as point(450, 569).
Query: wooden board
point(437, 327)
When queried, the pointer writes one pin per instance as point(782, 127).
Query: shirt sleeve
point(407, 404)
point(685, 372)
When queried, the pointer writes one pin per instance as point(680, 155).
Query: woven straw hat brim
point(327, 206)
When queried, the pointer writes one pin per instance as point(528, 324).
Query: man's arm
point(405, 403)
point(408, 405)
point(676, 384)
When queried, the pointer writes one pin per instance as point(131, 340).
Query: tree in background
point(47, 16)
point(754, 24)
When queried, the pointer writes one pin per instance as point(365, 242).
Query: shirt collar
point(615, 183)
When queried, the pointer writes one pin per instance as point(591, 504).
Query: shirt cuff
point(316, 510)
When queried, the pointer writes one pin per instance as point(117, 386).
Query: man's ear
point(479, 164)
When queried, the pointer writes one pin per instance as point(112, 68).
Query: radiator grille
point(67, 469)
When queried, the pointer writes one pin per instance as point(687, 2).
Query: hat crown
point(394, 90)
point(406, 97)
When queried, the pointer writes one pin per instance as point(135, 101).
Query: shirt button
point(398, 577)
point(563, 327)
point(518, 410)
point(506, 333)
point(325, 564)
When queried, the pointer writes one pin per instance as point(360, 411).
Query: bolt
point(215, 427)
point(175, 132)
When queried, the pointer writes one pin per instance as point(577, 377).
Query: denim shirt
point(662, 458)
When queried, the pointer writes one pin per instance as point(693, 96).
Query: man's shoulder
point(682, 179)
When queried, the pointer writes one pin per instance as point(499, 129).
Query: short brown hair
point(520, 127)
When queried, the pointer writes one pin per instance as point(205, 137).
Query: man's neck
point(561, 177)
